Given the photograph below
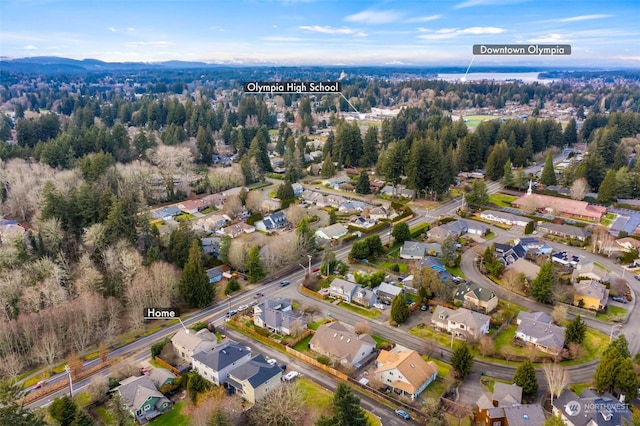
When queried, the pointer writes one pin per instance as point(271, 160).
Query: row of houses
point(456, 229)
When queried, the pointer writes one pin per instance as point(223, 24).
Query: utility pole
point(309, 256)
point(67, 368)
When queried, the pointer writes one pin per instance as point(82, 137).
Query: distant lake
point(527, 77)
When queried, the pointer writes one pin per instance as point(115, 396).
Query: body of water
point(526, 77)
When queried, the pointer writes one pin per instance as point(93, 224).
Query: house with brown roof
point(404, 371)
point(186, 343)
point(528, 268)
point(477, 298)
point(341, 344)
point(192, 206)
point(214, 200)
point(628, 243)
point(557, 206)
point(590, 294)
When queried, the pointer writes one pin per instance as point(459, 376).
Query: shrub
point(323, 359)
point(395, 267)
point(156, 348)
point(198, 326)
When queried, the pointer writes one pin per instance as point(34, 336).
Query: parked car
point(380, 306)
point(403, 414)
point(284, 283)
point(283, 367)
point(272, 362)
point(258, 295)
point(619, 299)
point(316, 269)
point(423, 308)
point(290, 376)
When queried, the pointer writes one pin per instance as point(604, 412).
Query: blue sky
point(300, 32)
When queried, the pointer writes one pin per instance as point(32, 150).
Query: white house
point(215, 364)
point(405, 371)
point(332, 232)
point(462, 323)
point(188, 342)
point(504, 218)
point(345, 290)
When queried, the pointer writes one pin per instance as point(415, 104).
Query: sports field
point(473, 120)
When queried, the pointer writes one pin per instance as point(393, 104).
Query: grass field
point(613, 313)
point(473, 120)
point(380, 340)
point(369, 313)
point(303, 345)
point(501, 200)
point(172, 418)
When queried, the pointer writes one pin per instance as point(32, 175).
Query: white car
point(379, 306)
point(291, 375)
point(272, 362)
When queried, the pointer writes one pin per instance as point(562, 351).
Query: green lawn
point(183, 217)
point(104, 415)
point(403, 267)
point(429, 333)
point(434, 390)
point(444, 369)
point(455, 270)
point(490, 236)
point(369, 313)
point(613, 313)
point(601, 266)
point(320, 399)
point(380, 340)
point(501, 200)
point(472, 121)
point(303, 345)
point(595, 342)
point(172, 418)
point(314, 325)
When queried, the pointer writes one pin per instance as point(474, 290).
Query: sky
point(602, 33)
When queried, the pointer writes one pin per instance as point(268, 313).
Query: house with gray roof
point(505, 395)
point(166, 213)
point(417, 250)
point(477, 298)
point(386, 292)
point(462, 323)
point(254, 379)
point(341, 344)
point(504, 218)
point(569, 232)
point(272, 222)
point(332, 232)
point(142, 398)
point(215, 364)
point(188, 342)
point(365, 296)
point(343, 289)
point(538, 329)
point(161, 377)
point(490, 409)
point(277, 316)
point(591, 409)
point(590, 294)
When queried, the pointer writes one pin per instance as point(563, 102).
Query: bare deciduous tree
point(238, 254)
point(11, 364)
point(579, 189)
point(559, 313)
point(362, 328)
point(283, 406)
point(98, 388)
point(221, 179)
point(254, 201)
point(48, 348)
point(557, 378)
point(487, 346)
point(233, 206)
point(295, 213)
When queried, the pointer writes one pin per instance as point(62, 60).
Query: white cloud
point(628, 58)
point(471, 3)
point(30, 47)
point(112, 29)
point(282, 39)
point(549, 38)
point(579, 18)
point(131, 30)
point(330, 30)
point(160, 44)
point(446, 33)
point(375, 17)
point(424, 18)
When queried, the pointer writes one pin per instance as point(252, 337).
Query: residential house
point(438, 266)
point(353, 206)
point(503, 395)
point(417, 250)
point(453, 229)
point(405, 371)
point(476, 228)
point(365, 297)
point(336, 181)
point(188, 342)
point(216, 274)
point(213, 223)
point(192, 206)
point(361, 222)
point(211, 245)
point(311, 197)
point(142, 398)
point(386, 292)
point(591, 409)
point(461, 323)
point(297, 189)
point(342, 289)
point(238, 229)
point(378, 213)
point(628, 243)
point(277, 316)
point(590, 294)
point(561, 207)
point(529, 269)
point(477, 298)
point(270, 205)
point(165, 213)
point(332, 232)
point(538, 329)
point(255, 379)
point(342, 345)
point(504, 218)
point(272, 222)
point(509, 254)
point(590, 270)
point(534, 245)
point(515, 415)
point(564, 231)
point(333, 200)
point(215, 364)
point(161, 377)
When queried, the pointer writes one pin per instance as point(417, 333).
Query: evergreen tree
point(63, 410)
point(370, 148)
point(570, 134)
point(496, 161)
point(622, 345)
point(121, 221)
point(529, 228)
point(83, 419)
point(609, 188)
point(305, 237)
point(285, 194)
point(180, 241)
point(328, 169)
point(225, 245)
point(399, 309)
point(462, 361)
point(254, 266)
point(346, 409)
point(362, 187)
point(607, 370)
point(576, 331)
point(401, 232)
point(525, 377)
point(541, 287)
point(332, 217)
point(205, 143)
point(449, 251)
point(258, 150)
point(507, 175)
point(194, 283)
point(548, 176)
point(626, 381)
point(478, 197)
